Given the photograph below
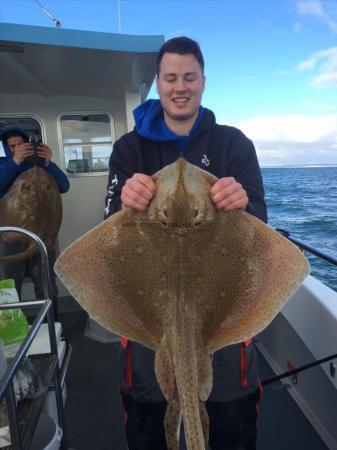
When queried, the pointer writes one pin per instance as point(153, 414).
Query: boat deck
point(94, 414)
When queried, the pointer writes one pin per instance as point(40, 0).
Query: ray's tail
point(30, 251)
point(186, 372)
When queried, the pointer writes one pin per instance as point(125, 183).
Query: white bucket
point(47, 435)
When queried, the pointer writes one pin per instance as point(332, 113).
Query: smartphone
point(34, 159)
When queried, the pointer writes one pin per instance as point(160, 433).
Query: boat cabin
point(75, 91)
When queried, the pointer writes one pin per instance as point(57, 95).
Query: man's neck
point(180, 127)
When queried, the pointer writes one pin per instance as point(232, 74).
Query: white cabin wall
point(132, 100)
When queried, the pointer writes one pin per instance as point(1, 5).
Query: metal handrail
point(45, 311)
point(43, 253)
point(21, 353)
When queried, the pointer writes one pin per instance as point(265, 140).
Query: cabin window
point(28, 124)
point(87, 142)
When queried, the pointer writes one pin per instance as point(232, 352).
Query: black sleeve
point(122, 165)
point(244, 167)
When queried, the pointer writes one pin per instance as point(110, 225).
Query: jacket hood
point(10, 132)
point(150, 124)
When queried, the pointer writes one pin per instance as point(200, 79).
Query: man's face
point(13, 142)
point(180, 84)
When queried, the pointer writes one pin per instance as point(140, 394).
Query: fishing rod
point(45, 10)
point(58, 22)
point(297, 370)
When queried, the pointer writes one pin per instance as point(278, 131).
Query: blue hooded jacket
point(150, 124)
point(9, 170)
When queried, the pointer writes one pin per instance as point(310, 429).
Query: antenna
point(57, 22)
point(119, 16)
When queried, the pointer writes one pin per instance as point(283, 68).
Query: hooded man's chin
point(181, 117)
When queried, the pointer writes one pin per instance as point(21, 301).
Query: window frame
point(60, 139)
point(27, 116)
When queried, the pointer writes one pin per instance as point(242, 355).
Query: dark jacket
point(223, 151)
point(9, 170)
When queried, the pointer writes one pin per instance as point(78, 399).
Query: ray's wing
point(50, 208)
point(115, 272)
point(248, 272)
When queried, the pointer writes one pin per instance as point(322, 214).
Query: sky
point(270, 65)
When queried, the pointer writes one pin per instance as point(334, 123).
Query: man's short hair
point(183, 46)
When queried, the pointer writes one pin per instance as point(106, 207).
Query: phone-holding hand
point(22, 151)
point(44, 152)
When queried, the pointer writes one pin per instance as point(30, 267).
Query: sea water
point(303, 201)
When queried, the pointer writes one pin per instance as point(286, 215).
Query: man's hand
point(138, 191)
point(227, 194)
point(44, 152)
point(21, 152)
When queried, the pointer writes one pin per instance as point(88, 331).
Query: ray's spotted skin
point(32, 202)
point(183, 279)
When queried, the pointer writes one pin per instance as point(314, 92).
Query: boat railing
point(309, 248)
point(330, 259)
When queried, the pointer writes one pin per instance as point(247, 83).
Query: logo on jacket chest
point(205, 161)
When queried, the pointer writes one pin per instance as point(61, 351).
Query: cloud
point(297, 27)
point(315, 8)
point(324, 63)
point(312, 7)
point(263, 23)
point(320, 108)
point(285, 72)
point(293, 138)
point(326, 79)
